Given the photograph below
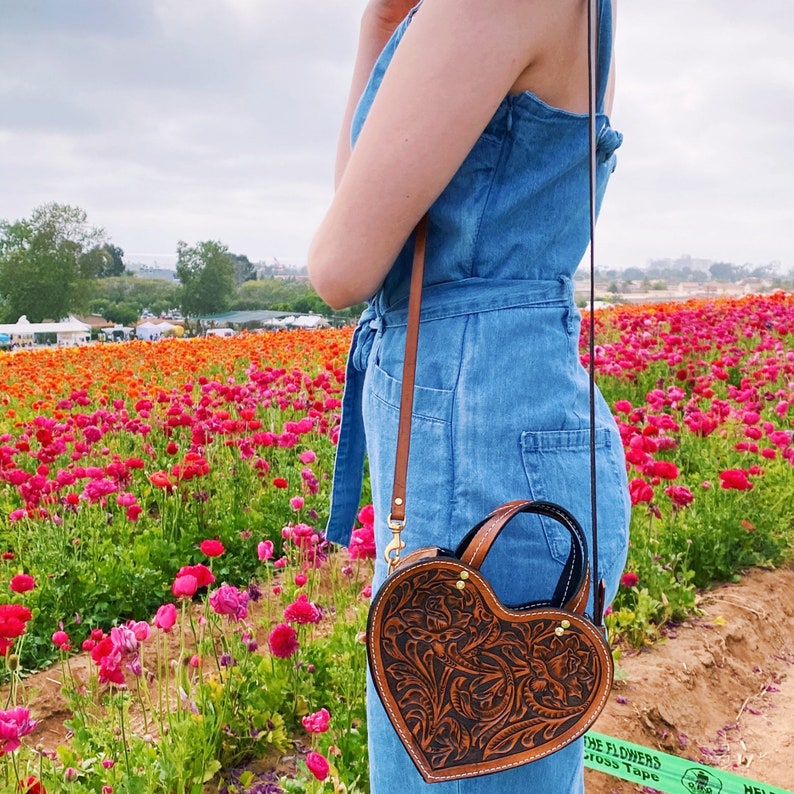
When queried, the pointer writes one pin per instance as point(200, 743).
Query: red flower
point(318, 765)
point(61, 640)
point(204, 575)
point(640, 491)
point(302, 611)
point(280, 482)
point(22, 583)
point(13, 618)
point(212, 548)
point(31, 786)
point(108, 657)
point(283, 641)
point(134, 512)
point(735, 479)
point(662, 468)
point(160, 479)
point(629, 579)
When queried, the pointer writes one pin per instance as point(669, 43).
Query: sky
point(169, 120)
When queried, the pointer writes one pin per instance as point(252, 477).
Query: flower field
point(162, 505)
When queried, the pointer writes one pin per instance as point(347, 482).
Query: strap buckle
point(392, 552)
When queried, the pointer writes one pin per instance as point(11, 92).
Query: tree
point(44, 272)
point(206, 271)
point(725, 271)
point(243, 269)
point(110, 260)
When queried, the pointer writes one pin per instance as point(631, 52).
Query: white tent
point(67, 332)
point(150, 330)
point(304, 321)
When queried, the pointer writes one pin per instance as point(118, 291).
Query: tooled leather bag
point(472, 686)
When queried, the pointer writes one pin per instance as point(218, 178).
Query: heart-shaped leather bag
point(472, 686)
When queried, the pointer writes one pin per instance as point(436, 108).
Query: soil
point(718, 690)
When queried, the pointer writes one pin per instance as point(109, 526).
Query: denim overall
point(501, 405)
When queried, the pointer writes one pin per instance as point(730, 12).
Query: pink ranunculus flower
point(185, 586)
point(297, 502)
point(228, 600)
point(679, 495)
point(283, 641)
point(307, 456)
point(165, 617)
point(14, 724)
point(265, 550)
point(302, 611)
point(126, 499)
point(124, 639)
point(362, 543)
point(366, 515)
point(317, 722)
point(318, 765)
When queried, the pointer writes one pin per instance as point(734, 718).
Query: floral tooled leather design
point(473, 687)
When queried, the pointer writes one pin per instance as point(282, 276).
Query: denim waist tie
point(451, 299)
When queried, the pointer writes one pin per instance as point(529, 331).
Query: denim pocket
point(557, 465)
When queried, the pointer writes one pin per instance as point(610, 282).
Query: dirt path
point(720, 691)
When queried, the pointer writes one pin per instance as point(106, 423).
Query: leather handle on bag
point(573, 588)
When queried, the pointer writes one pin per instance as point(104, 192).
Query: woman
point(476, 112)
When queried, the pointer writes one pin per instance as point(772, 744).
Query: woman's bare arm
point(378, 22)
point(456, 62)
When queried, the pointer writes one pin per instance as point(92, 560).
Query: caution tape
point(665, 772)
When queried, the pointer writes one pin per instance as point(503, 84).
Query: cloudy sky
point(172, 120)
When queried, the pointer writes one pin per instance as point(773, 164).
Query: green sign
point(665, 772)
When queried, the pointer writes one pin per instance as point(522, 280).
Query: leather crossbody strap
point(396, 520)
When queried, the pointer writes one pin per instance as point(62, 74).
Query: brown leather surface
point(471, 686)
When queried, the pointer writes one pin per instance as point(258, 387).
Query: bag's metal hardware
point(392, 552)
point(460, 584)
